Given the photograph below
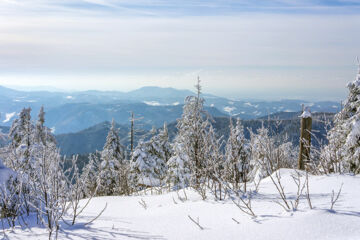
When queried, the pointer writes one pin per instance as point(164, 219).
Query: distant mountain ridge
point(71, 112)
point(93, 138)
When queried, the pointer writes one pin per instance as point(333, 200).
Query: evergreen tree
point(148, 164)
point(215, 164)
point(21, 135)
point(187, 164)
point(43, 134)
point(112, 165)
point(342, 154)
point(237, 156)
point(269, 153)
point(261, 145)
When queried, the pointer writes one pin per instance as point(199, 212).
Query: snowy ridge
point(166, 216)
point(9, 116)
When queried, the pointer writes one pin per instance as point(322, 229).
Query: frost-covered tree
point(214, 168)
point(21, 135)
point(48, 188)
point(42, 134)
point(237, 156)
point(269, 153)
point(90, 175)
point(261, 147)
point(187, 164)
point(342, 154)
point(113, 168)
point(39, 183)
point(148, 163)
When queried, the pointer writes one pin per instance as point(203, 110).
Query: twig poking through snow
point(97, 215)
point(143, 204)
point(333, 198)
point(196, 222)
point(235, 220)
point(308, 191)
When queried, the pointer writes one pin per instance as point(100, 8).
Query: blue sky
point(260, 49)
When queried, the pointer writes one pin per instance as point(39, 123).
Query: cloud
point(232, 44)
point(180, 8)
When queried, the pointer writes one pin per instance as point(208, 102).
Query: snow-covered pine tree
point(342, 154)
point(269, 153)
point(187, 164)
point(21, 137)
point(261, 147)
point(237, 156)
point(215, 165)
point(43, 134)
point(113, 168)
point(148, 163)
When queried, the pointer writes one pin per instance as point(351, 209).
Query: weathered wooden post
point(305, 138)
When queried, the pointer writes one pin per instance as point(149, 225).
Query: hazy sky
point(240, 48)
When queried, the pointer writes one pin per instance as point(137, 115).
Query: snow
point(8, 116)
point(354, 134)
point(306, 114)
point(152, 103)
point(310, 104)
point(229, 109)
point(251, 105)
point(257, 113)
point(5, 173)
point(166, 216)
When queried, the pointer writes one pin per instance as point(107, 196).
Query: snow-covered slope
point(166, 216)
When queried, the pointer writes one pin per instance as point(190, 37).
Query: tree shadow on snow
point(106, 233)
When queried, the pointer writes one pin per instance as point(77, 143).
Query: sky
point(263, 49)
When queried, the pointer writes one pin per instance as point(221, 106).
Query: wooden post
point(305, 139)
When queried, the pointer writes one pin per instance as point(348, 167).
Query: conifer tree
point(43, 134)
point(187, 164)
point(215, 164)
point(148, 164)
point(342, 154)
point(113, 165)
point(21, 135)
point(237, 156)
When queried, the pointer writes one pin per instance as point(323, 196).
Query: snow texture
point(166, 217)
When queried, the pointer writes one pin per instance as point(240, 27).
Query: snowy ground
point(166, 217)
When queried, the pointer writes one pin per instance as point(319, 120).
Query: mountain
point(93, 138)
point(72, 112)
point(75, 117)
